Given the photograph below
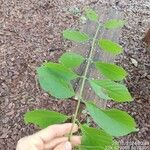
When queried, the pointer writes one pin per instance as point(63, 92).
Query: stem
point(83, 81)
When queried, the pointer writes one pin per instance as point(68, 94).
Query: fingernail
point(68, 146)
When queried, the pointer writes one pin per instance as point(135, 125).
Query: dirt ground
point(30, 33)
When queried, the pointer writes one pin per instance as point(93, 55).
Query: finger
point(54, 131)
point(29, 143)
point(75, 140)
point(54, 143)
point(64, 146)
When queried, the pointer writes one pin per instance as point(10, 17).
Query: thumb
point(64, 146)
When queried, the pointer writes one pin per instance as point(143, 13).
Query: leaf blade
point(110, 46)
point(55, 79)
point(96, 139)
point(71, 60)
point(99, 91)
point(43, 118)
point(91, 15)
point(117, 92)
point(111, 71)
point(114, 24)
point(75, 35)
point(113, 121)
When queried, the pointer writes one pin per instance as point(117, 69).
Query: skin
point(51, 138)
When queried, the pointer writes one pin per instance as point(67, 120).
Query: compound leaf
point(71, 60)
point(44, 118)
point(75, 35)
point(114, 24)
point(117, 92)
point(55, 79)
point(111, 71)
point(95, 139)
point(91, 15)
point(109, 46)
point(113, 121)
point(99, 90)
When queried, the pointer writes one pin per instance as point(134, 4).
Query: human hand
point(51, 138)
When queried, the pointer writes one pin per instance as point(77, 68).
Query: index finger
point(54, 131)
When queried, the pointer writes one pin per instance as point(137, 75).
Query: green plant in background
point(55, 78)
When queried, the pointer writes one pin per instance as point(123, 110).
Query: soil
point(30, 33)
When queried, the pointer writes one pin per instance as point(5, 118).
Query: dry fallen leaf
point(146, 39)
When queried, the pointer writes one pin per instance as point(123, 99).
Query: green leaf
point(117, 92)
point(99, 90)
point(91, 15)
point(71, 59)
point(114, 23)
point(75, 35)
point(111, 71)
point(113, 121)
point(95, 139)
point(44, 118)
point(109, 46)
point(55, 79)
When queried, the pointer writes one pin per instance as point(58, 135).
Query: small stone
point(134, 62)
point(10, 113)
point(148, 76)
point(5, 120)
